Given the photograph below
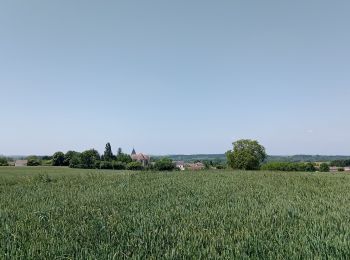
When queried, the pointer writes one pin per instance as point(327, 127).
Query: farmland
point(51, 212)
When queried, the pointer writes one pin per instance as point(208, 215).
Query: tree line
point(91, 159)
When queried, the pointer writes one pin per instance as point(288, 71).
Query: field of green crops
point(53, 213)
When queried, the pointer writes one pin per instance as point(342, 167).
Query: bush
point(309, 167)
point(288, 166)
point(340, 163)
point(134, 166)
point(118, 165)
point(125, 158)
point(3, 161)
point(340, 169)
point(106, 165)
point(164, 164)
point(324, 167)
point(220, 167)
point(33, 161)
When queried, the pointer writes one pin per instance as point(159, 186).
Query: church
point(140, 157)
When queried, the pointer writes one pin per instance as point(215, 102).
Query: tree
point(125, 158)
point(69, 156)
point(58, 159)
point(324, 167)
point(75, 161)
point(3, 161)
point(108, 155)
point(134, 166)
point(90, 159)
point(106, 165)
point(118, 165)
point(119, 151)
point(164, 164)
point(33, 161)
point(246, 155)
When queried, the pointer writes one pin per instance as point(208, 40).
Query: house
point(21, 163)
point(140, 157)
point(180, 165)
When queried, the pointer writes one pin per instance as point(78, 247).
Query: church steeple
point(133, 151)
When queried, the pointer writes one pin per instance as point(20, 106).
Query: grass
point(61, 213)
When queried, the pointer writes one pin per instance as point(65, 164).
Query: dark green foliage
point(75, 161)
point(125, 158)
point(58, 159)
point(134, 166)
point(106, 165)
point(33, 161)
point(246, 155)
point(324, 167)
point(118, 165)
point(89, 159)
point(164, 164)
point(68, 157)
point(108, 154)
point(3, 161)
point(340, 163)
point(119, 151)
point(288, 166)
point(309, 167)
point(340, 169)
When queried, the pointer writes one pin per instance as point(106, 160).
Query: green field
point(60, 213)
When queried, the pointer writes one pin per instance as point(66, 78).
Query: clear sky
point(170, 77)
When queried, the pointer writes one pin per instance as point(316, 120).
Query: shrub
point(134, 166)
point(33, 161)
point(164, 164)
point(340, 169)
point(106, 165)
point(310, 167)
point(3, 161)
point(220, 167)
point(118, 165)
point(324, 167)
point(288, 166)
point(340, 163)
point(125, 158)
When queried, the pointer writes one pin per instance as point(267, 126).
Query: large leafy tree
point(58, 159)
point(246, 155)
point(89, 159)
point(108, 155)
point(69, 156)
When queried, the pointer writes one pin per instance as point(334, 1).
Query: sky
point(174, 77)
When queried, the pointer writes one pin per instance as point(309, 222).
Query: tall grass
point(59, 213)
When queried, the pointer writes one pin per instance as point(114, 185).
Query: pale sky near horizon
point(174, 77)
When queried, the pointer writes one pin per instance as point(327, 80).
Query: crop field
point(61, 213)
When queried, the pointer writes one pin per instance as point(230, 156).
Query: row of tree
point(250, 155)
point(91, 159)
point(340, 163)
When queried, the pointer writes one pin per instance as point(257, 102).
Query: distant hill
point(276, 158)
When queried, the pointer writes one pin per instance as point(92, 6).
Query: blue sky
point(170, 77)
